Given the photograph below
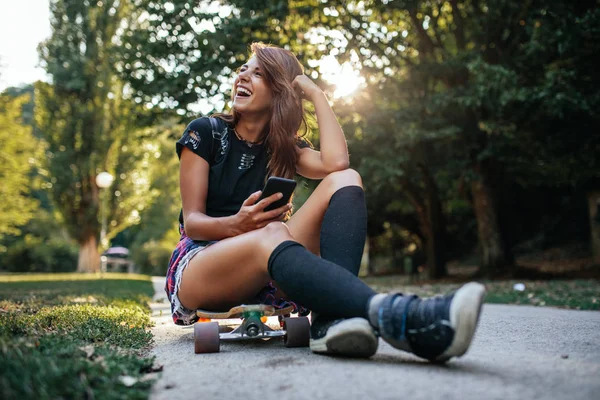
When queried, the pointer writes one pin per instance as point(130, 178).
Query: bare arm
point(193, 183)
point(334, 150)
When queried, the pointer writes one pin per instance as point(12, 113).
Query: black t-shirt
point(237, 169)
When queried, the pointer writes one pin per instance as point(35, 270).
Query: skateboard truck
point(208, 335)
point(252, 325)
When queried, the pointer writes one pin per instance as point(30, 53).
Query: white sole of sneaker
point(353, 337)
point(464, 315)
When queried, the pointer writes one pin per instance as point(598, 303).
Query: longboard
point(207, 335)
point(241, 311)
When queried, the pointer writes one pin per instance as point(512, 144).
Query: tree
point(180, 51)
point(19, 150)
point(173, 59)
point(433, 44)
point(87, 122)
point(153, 239)
point(454, 83)
point(400, 171)
point(558, 105)
point(477, 67)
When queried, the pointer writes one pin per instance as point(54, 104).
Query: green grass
point(580, 294)
point(75, 336)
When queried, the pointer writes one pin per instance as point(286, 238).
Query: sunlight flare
point(345, 78)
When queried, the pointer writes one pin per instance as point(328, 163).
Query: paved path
point(518, 352)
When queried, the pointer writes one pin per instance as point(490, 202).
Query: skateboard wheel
point(297, 332)
point(206, 337)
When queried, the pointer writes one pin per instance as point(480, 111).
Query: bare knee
point(276, 230)
point(272, 235)
point(339, 179)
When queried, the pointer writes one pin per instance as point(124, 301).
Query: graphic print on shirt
point(246, 161)
point(193, 138)
point(222, 138)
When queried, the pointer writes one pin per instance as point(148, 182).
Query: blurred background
point(474, 124)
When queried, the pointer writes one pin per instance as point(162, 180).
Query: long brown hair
point(280, 67)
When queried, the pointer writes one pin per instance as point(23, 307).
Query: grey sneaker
point(353, 337)
point(437, 328)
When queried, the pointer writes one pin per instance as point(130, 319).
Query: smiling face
point(251, 92)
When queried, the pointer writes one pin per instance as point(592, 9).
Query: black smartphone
point(274, 185)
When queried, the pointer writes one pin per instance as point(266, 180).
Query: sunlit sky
point(23, 25)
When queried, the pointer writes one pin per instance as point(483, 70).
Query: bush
point(35, 255)
point(152, 257)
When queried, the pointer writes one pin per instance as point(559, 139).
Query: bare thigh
point(231, 271)
point(305, 224)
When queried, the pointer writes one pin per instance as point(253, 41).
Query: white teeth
point(246, 91)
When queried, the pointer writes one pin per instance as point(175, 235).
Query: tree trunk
point(431, 223)
point(494, 259)
point(436, 256)
point(436, 229)
point(89, 258)
point(594, 207)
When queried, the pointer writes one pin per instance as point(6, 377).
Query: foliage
point(180, 51)
point(88, 124)
point(466, 102)
point(557, 111)
point(458, 93)
point(27, 107)
point(134, 161)
point(19, 150)
point(153, 239)
point(73, 336)
point(452, 81)
point(33, 255)
point(153, 256)
point(43, 244)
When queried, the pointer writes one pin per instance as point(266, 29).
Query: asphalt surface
point(518, 352)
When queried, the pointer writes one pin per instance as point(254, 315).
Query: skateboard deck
point(207, 335)
point(244, 310)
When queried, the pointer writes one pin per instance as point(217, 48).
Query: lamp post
point(103, 180)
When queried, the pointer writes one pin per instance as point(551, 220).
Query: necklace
point(249, 143)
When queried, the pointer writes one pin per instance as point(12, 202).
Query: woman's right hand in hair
point(305, 87)
point(252, 215)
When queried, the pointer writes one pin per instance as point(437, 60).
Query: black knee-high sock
point(318, 284)
point(344, 228)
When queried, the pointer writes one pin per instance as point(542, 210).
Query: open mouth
point(243, 92)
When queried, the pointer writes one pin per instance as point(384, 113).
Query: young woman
point(232, 251)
